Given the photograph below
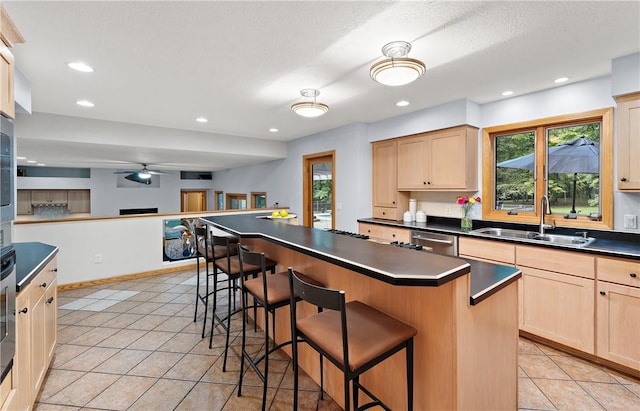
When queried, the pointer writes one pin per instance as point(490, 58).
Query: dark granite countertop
point(392, 265)
point(609, 243)
point(30, 259)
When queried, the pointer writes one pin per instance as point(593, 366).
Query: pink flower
point(462, 200)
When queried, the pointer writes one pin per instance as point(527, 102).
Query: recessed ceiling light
point(507, 93)
point(21, 158)
point(41, 164)
point(31, 161)
point(85, 103)
point(402, 103)
point(201, 120)
point(80, 66)
point(273, 130)
point(561, 79)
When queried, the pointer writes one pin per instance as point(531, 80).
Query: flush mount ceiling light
point(85, 103)
point(310, 108)
point(398, 69)
point(80, 66)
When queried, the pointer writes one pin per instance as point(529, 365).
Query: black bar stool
point(230, 265)
point(207, 251)
point(353, 336)
point(270, 292)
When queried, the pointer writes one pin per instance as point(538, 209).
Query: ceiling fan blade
point(125, 171)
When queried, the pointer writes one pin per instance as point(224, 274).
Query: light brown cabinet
point(618, 311)
point(40, 197)
point(7, 106)
point(628, 136)
point(388, 202)
point(558, 295)
point(440, 160)
point(79, 201)
point(23, 202)
point(36, 334)
point(381, 232)
point(9, 36)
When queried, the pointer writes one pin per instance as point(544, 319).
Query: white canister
point(412, 208)
point(421, 217)
point(407, 217)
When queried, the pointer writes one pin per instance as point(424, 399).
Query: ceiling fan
point(143, 173)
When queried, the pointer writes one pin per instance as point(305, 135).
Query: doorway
point(193, 201)
point(318, 190)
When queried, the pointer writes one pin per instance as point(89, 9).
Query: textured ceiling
point(242, 64)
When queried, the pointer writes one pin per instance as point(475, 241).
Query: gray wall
point(282, 179)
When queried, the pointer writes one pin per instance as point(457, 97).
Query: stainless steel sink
point(535, 237)
point(503, 232)
point(564, 239)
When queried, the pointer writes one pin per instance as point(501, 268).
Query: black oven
point(7, 311)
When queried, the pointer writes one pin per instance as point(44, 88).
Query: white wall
point(127, 245)
point(625, 72)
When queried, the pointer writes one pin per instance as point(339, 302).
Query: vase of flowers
point(466, 203)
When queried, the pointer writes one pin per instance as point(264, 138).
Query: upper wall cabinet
point(9, 36)
point(440, 160)
point(388, 203)
point(628, 113)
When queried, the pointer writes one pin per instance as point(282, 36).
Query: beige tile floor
point(144, 352)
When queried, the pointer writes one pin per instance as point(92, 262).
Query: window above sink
point(524, 161)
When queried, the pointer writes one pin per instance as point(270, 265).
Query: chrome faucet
point(545, 210)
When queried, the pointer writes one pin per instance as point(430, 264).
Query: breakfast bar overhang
point(466, 313)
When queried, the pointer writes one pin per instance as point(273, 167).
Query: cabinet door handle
point(633, 275)
point(623, 179)
point(49, 300)
point(603, 293)
point(24, 310)
point(43, 285)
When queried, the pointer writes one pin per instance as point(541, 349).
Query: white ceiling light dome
point(397, 69)
point(310, 108)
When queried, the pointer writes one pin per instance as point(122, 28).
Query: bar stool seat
point(371, 333)
point(353, 336)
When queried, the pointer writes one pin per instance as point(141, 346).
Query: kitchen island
point(466, 314)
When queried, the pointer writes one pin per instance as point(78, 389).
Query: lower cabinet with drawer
point(387, 233)
point(558, 295)
point(618, 311)
point(36, 335)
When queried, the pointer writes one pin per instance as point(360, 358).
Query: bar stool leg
point(409, 355)
point(231, 291)
point(206, 298)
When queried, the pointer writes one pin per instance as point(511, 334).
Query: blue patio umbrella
point(578, 156)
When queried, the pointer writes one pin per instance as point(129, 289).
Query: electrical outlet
point(97, 259)
point(447, 210)
point(630, 221)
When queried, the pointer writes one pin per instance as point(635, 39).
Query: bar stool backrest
point(322, 298)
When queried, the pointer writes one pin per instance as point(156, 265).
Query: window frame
point(604, 116)
point(216, 196)
point(254, 198)
point(238, 197)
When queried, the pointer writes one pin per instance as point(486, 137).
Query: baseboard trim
point(144, 274)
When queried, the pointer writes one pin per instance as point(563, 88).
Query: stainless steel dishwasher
point(438, 243)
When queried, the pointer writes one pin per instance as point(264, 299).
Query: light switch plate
point(630, 221)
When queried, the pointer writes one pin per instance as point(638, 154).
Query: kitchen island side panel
point(456, 347)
